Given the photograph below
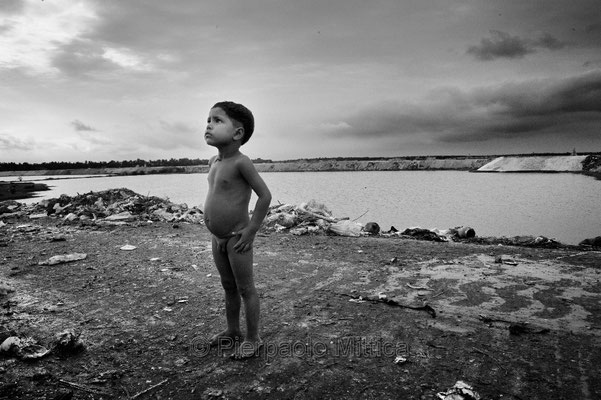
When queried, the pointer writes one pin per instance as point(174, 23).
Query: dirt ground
point(354, 318)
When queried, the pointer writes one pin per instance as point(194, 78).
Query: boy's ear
point(239, 134)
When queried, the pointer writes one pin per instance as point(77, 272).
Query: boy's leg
point(232, 296)
point(242, 269)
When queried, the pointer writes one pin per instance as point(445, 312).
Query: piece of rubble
point(5, 289)
point(38, 216)
point(372, 228)
point(459, 391)
point(346, 228)
point(122, 216)
point(400, 360)
point(24, 348)
point(70, 217)
point(64, 258)
point(68, 342)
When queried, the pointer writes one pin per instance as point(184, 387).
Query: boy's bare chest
point(224, 177)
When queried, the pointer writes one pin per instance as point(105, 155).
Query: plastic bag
point(346, 228)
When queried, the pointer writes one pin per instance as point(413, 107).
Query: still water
point(563, 206)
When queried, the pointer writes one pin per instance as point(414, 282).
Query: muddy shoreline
point(342, 317)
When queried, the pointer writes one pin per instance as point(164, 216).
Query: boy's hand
point(245, 243)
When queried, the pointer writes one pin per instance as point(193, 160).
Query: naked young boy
point(232, 178)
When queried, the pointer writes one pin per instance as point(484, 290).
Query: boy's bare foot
point(225, 338)
point(247, 349)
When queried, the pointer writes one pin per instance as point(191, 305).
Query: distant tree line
point(56, 165)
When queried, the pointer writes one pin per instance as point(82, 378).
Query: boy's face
point(221, 129)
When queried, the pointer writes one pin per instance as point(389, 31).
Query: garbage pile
point(436, 235)
point(108, 207)
point(314, 217)
point(28, 348)
point(311, 217)
point(524, 241)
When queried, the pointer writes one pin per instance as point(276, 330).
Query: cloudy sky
point(107, 80)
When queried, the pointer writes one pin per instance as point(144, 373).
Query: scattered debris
point(65, 258)
point(424, 234)
point(314, 217)
point(518, 329)
point(68, 342)
point(372, 228)
point(515, 328)
point(594, 242)
point(464, 232)
point(357, 300)
point(526, 241)
point(503, 260)
point(108, 207)
point(305, 218)
point(346, 228)
point(123, 206)
point(149, 389)
point(83, 388)
point(24, 348)
point(459, 391)
point(5, 289)
point(417, 287)
point(122, 216)
point(400, 360)
point(361, 299)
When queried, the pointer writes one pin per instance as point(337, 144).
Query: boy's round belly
point(223, 221)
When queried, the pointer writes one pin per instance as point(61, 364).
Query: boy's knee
point(229, 286)
point(246, 291)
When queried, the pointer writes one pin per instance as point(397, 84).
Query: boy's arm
point(249, 172)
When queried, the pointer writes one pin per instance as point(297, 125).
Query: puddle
point(476, 285)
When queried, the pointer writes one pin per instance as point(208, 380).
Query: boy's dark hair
point(241, 114)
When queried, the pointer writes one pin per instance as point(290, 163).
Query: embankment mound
point(535, 164)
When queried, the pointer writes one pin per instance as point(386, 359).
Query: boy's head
point(239, 114)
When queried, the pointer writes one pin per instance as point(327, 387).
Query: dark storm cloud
point(153, 24)
point(81, 127)
point(593, 28)
point(82, 58)
point(547, 41)
point(570, 106)
point(8, 142)
point(261, 30)
point(503, 45)
point(11, 6)
point(500, 45)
